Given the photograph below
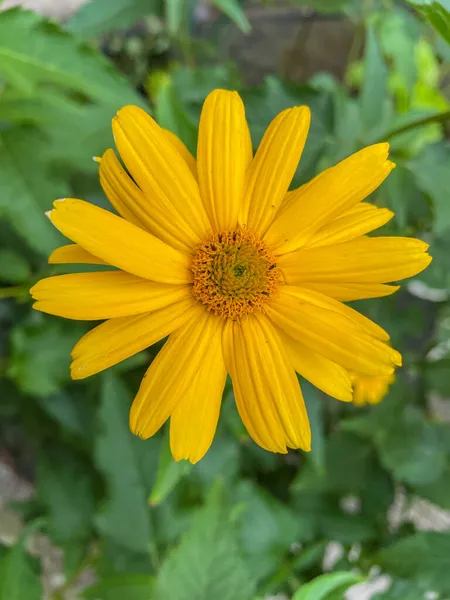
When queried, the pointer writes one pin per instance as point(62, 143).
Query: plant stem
point(437, 118)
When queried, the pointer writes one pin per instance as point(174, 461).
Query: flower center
point(234, 273)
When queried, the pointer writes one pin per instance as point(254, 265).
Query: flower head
point(370, 390)
point(245, 277)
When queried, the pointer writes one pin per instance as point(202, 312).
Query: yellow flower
point(246, 277)
point(370, 390)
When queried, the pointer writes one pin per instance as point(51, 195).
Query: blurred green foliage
point(243, 523)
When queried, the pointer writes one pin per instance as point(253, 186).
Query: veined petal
point(171, 374)
point(325, 374)
point(223, 156)
point(117, 339)
point(362, 218)
point(273, 167)
point(162, 174)
point(121, 191)
point(346, 292)
point(266, 389)
point(118, 242)
point(332, 334)
point(193, 422)
point(363, 260)
point(105, 295)
point(73, 254)
point(332, 192)
point(183, 151)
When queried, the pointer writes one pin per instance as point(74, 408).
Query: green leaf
point(373, 91)
point(28, 187)
point(19, 577)
point(170, 473)
point(422, 557)
point(65, 487)
point(34, 50)
point(233, 10)
point(321, 587)
point(125, 517)
point(121, 587)
point(100, 16)
point(175, 12)
point(437, 14)
point(207, 564)
point(40, 354)
point(430, 170)
point(403, 590)
point(13, 267)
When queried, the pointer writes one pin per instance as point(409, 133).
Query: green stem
point(437, 118)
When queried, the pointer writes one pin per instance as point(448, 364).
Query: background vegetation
point(242, 524)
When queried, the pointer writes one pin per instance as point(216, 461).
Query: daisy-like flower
point(370, 390)
point(244, 276)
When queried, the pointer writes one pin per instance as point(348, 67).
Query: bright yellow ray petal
point(332, 334)
point(357, 221)
point(119, 242)
point(193, 423)
point(223, 156)
point(117, 339)
point(346, 292)
point(162, 174)
point(323, 373)
point(170, 375)
point(363, 260)
point(73, 254)
point(332, 192)
point(182, 149)
point(105, 295)
point(271, 171)
point(266, 389)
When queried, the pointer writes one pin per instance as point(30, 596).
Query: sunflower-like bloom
point(244, 276)
point(370, 390)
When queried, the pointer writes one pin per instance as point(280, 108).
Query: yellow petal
point(162, 174)
point(346, 292)
point(118, 242)
point(271, 171)
point(182, 149)
point(328, 195)
point(105, 295)
point(363, 260)
point(357, 221)
point(223, 155)
point(326, 375)
point(73, 254)
point(193, 422)
point(117, 339)
point(266, 389)
point(332, 334)
point(170, 376)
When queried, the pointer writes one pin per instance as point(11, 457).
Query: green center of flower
point(234, 273)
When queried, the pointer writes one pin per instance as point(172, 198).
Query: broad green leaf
point(321, 587)
point(65, 487)
point(403, 590)
point(430, 170)
point(13, 266)
point(170, 473)
point(437, 491)
point(100, 16)
point(28, 187)
point(437, 14)
point(71, 409)
point(398, 37)
point(234, 11)
point(373, 90)
point(121, 587)
point(125, 517)
point(207, 564)
point(40, 354)
point(34, 50)
point(19, 577)
point(422, 557)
